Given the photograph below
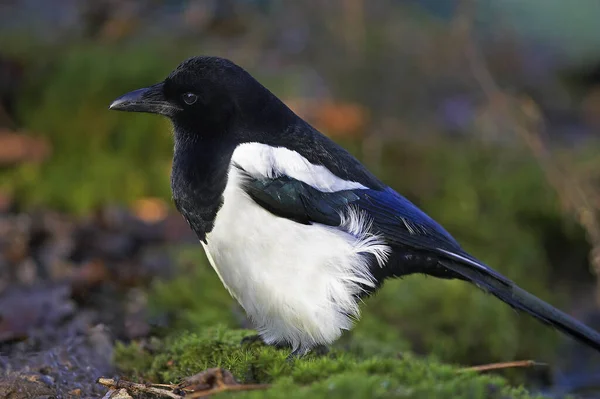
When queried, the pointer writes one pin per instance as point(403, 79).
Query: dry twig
point(503, 365)
point(213, 381)
point(203, 384)
point(135, 387)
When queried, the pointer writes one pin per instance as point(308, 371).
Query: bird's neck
point(201, 161)
point(198, 180)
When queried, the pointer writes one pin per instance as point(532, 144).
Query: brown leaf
point(18, 148)
point(332, 117)
point(150, 210)
point(89, 275)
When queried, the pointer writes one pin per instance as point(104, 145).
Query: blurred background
point(484, 113)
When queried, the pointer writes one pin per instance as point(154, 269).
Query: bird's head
point(203, 95)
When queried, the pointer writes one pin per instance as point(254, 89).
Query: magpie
point(296, 228)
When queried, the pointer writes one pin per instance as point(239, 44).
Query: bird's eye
point(189, 98)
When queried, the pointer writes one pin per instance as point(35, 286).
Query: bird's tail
point(510, 293)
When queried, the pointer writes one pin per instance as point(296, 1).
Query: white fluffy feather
point(297, 283)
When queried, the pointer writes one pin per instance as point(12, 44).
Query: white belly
point(297, 283)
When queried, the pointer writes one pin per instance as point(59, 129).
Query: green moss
point(134, 359)
point(99, 156)
point(339, 374)
point(196, 297)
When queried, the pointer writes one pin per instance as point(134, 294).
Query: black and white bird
point(296, 228)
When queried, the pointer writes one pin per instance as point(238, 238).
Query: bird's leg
point(251, 339)
point(297, 354)
point(319, 350)
point(256, 338)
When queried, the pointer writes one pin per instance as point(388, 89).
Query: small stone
point(120, 394)
point(26, 272)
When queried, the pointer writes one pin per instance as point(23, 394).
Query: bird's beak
point(149, 99)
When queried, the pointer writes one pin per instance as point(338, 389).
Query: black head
point(204, 95)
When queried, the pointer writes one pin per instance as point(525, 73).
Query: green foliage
point(196, 297)
point(337, 375)
point(491, 201)
point(133, 358)
point(99, 155)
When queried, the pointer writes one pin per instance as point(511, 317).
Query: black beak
point(150, 99)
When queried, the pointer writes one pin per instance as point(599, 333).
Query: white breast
point(297, 283)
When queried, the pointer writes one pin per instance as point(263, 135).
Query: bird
point(296, 228)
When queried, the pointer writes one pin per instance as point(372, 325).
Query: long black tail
point(520, 299)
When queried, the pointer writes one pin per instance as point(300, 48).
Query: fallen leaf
point(20, 147)
point(150, 210)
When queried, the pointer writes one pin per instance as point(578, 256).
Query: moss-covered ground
point(339, 374)
point(374, 360)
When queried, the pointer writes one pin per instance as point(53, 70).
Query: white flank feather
point(299, 284)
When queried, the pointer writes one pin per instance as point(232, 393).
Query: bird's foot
point(256, 338)
point(296, 354)
point(251, 339)
point(319, 350)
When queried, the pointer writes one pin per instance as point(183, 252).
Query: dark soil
point(68, 289)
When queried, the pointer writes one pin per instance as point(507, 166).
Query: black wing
point(396, 218)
